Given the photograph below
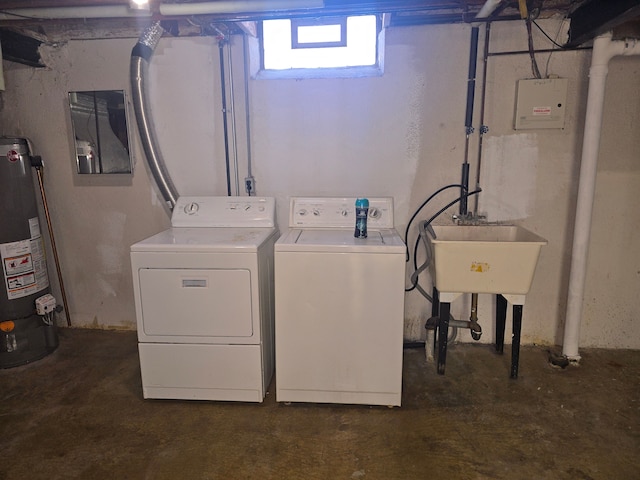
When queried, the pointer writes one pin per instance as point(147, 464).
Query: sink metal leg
point(515, 340)
point(443, 334)
point(435, 308)
point(501, 318)
point(435, 304)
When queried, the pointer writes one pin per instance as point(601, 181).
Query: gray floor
point(79, 414)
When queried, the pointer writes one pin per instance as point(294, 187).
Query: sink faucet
point(469, 219)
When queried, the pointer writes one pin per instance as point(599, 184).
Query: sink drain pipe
point(604, 49)
point(140, 57)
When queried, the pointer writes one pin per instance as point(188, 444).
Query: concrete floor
point(79, 414)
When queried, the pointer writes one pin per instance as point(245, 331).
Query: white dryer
point(339, 305)
point(204, 301)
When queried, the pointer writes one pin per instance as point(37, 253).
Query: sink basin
point(483, 258)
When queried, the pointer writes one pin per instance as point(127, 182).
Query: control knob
point(191, 208)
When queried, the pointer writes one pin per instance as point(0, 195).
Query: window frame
point(259, 71)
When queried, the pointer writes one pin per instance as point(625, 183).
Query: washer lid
point(337, 237)
point(340, 240)
point(206, 240)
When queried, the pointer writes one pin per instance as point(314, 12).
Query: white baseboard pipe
point(604, 49)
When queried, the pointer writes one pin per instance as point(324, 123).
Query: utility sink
point(498, 259)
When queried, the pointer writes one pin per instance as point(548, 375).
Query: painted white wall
point(401, 134)
point(95, 218)
point(614, 255)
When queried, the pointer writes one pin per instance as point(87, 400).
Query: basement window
point(347, 46)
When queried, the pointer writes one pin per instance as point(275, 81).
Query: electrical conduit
point(604, 49)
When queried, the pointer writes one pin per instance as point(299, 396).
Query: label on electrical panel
point(538, 111)
point(24, 267)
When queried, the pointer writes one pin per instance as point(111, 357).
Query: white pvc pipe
point(604, 49)
point(236, 6)
point(169, 9)
point(488, 8)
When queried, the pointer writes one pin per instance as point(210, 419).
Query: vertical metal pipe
point(474, 307)
point(471, 79)
point(225, 127)
point(468, 122)
point(483, 127)
point(464, 181)
point(245, 53)
point(38, 168)
point(234, 136)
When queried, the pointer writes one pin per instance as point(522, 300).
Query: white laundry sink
point(483, 258)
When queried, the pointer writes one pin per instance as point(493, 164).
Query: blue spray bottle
point(362, 211)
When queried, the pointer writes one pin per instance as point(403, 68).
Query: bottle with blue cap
point(362, 211)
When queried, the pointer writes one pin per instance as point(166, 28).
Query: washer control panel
point(224, 212)
point(338, 212)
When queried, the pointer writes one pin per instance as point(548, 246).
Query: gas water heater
point(27, 327)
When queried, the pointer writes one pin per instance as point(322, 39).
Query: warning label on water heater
point(24, 266)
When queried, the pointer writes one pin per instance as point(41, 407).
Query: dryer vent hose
point(140, 57)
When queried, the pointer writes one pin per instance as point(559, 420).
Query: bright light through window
point(360, 49)
point(319, 33)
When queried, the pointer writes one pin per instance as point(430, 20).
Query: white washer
point(339, 305)
point(204, 301)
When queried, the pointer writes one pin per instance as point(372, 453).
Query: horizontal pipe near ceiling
point(168, 9)
point(100, 11)
point(236, 6)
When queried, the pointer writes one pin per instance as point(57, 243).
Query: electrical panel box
point(540, 103)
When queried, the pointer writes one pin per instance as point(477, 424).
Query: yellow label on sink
point(479, 267)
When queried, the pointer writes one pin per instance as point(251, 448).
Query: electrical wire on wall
point(530, 21)
point(534, 64)
point(553, 42)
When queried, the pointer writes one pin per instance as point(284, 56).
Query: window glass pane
point(319, 33)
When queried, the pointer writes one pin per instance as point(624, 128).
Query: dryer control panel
point(224, 212)
point(338, 212)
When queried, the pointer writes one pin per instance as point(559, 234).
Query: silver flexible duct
point(140, 56)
